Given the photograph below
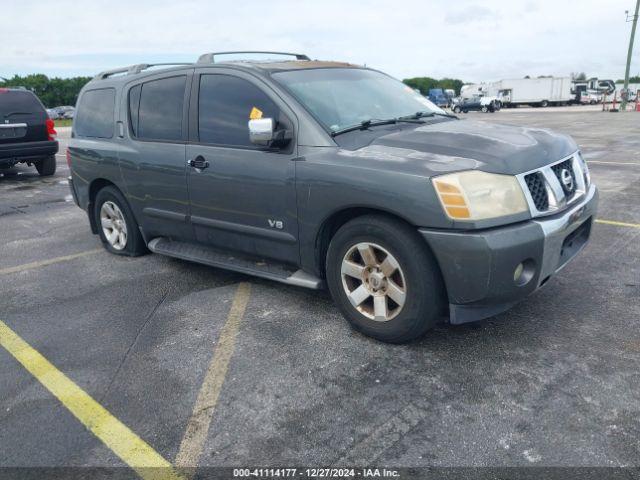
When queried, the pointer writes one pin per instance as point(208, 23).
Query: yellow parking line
point(198, 426)
point(134, 451)
point(618, 224)
point(43, 263)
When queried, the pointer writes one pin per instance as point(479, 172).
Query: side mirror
point(262, 132)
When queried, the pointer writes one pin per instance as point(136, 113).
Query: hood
point(466, 144)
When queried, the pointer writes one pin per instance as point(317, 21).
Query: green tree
point(53, 92)
point(634, 79)
point(424, 84)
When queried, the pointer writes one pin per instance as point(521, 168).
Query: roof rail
point(210, 57)
point(134, 69)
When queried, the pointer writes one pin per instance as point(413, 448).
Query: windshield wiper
point(365, 124)
point(7, 115)
point(424, 114)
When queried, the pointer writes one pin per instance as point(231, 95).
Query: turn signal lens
point(476, 195)
point(452, 199)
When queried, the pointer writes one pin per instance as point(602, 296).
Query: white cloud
point(469, 14)
point(473, 40)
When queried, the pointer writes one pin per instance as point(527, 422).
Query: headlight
point(476, 195)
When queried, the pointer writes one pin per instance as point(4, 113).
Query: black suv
point(320, 173)
point(27, 133)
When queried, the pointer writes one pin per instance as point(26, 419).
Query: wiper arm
point(364, 125)
point(423, 114)
point(16, 113)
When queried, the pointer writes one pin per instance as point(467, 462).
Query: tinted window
point(15, 104)
point(159, 116)
point(224, 107)
point(94, 117)
point(134, 105)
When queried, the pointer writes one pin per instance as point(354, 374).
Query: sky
point(474, 40)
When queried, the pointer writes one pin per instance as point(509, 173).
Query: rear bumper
point(19, 152)
point(478, 267)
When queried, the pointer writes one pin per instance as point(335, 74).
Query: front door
point(242, 197)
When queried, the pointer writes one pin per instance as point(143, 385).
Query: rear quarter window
point(95, 113)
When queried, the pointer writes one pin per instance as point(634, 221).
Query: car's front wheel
point(117, 227)
point(384, 280)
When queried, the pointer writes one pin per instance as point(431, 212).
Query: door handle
point(199, 163)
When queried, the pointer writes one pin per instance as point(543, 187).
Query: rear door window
point(156, 109)
point(95, 113)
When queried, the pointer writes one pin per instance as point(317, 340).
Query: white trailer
point(519, 91)
point(533, 91)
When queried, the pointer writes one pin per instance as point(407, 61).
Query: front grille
point(535, 183)
point(552, 188)
point(567, 186)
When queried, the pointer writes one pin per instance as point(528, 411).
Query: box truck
point(520, 91)
point(533, 91)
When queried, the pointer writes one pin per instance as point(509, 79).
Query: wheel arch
point(94, 187)
point(332, 223)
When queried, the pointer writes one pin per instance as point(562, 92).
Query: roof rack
point(210, 57)
point(134, 69)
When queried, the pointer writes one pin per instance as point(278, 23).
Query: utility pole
point(634, 19)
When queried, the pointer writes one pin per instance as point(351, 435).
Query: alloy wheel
point(113, 225)
point(373, 281)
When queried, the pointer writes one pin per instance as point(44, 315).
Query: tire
point(456, 110)
point(544, 103)
point(484, 109)
point(110, 205)
point(417, 276)
point(47, 166)
point(465, 111)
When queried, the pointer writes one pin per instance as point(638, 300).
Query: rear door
point(152, 157)
point(22, 117)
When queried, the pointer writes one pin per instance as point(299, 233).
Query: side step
point(236, 262)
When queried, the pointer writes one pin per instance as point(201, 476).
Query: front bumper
point(478, 267)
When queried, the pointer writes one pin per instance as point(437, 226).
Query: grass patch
point(63, 122)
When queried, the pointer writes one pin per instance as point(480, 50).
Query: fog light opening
point(524, 272)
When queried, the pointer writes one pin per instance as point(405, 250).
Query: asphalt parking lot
point(553, 382)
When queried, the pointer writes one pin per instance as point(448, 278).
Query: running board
point(236, 262)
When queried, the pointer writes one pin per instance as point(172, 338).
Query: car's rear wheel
point(47, 166)
point(384, 280)
point(117, 227)
point(485, 109)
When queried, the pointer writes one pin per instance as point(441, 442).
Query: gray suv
point(317, 173)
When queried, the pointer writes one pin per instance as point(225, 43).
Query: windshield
point(343, 97)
